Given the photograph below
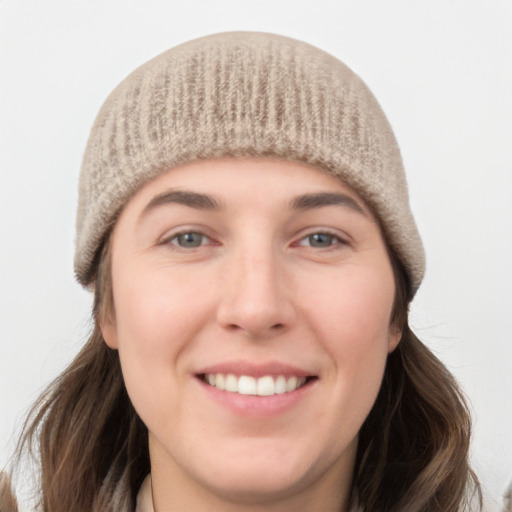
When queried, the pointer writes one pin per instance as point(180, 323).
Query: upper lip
point(272, 368)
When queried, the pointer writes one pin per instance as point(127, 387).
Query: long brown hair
point(83, 429)
point(412, 454)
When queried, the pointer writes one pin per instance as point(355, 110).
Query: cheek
point(158, 310)
point(155, 326)
point(354, 323)
point(356, 306)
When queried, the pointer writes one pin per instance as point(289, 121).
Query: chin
point(258, 485)
point(263, 474)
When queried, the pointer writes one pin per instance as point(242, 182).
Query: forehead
point(255, 180)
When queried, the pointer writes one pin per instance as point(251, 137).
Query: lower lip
point(257, 406)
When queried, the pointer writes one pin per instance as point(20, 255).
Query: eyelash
point(334, 239)
point(170, 240)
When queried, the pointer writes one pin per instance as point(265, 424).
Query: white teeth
point(219, 381)
point(291, 384)
point(247, 385)
point(266, 386)
point(231, 383)
point(280, 386)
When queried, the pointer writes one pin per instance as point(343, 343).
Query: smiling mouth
point(267, 385)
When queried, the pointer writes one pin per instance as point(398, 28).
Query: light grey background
point(442, 71)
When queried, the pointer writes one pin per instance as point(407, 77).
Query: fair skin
point(253, 275)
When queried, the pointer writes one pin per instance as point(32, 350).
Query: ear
point(109, 331)
point(395, 335)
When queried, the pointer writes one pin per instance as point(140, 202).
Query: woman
point(244, 223)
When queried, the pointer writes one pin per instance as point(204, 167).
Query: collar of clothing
point(145, 497)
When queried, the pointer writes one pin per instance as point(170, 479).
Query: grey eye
point(189, 240)
point(321, 240)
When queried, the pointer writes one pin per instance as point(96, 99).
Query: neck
point(165, 500)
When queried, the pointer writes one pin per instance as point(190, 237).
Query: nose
point(256, 297)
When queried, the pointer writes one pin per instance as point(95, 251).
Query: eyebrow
point(206, 202)
point(185, 198)
point(321, 199)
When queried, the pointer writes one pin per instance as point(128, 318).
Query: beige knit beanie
point(242, 94)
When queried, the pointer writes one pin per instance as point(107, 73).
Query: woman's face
point(252, 305)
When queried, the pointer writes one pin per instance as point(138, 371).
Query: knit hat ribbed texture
point(242, 94)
